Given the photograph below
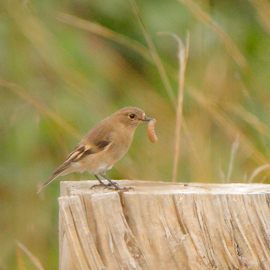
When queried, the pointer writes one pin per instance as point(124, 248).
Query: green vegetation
point(65, 65)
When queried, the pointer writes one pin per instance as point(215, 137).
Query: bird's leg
point(101, 183)
point(100, 180)
point(111, 183)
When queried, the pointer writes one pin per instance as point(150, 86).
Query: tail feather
point(62, 170)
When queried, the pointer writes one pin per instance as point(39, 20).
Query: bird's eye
point(132, 116)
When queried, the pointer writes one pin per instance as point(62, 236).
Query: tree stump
point(164, 226)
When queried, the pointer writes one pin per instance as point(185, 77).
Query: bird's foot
point(111, 185)
point(101, 185)
point(115, 185)
point(124, 189)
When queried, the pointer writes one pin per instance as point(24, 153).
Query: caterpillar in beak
point(151, 131)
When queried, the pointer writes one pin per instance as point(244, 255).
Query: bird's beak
point(146, 118)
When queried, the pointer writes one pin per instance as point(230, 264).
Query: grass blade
point(154, 54)
point(233, 152)
point(257, 171)
point(30, 255)
point(183, 51)
point(224, 38)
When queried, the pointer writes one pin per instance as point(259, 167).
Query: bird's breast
point(120, 145)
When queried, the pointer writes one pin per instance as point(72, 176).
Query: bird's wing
point(98, 139)
point(83, 149)
point(79, 152)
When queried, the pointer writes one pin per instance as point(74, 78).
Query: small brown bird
point(103, 146)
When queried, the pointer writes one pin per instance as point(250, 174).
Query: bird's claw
point(124, 189)
point(99, 185)
point(113, 186)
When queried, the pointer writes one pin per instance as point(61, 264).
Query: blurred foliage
point(61, 73)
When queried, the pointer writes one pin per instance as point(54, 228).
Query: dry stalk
point(257, 171)
point(182, 56)
point(262, 8)
point(154, 54)
point(206, 19)
point(30, 255)
point(228, 126)
point(40, 107)
point(105, 33)
point(233, 152)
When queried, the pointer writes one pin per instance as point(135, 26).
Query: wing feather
point(96, 140)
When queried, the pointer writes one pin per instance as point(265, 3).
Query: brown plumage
point(103, 145)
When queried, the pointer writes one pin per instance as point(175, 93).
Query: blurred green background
point(65, 65)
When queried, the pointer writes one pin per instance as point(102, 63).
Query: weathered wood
point(80, 245)
point(164, 226)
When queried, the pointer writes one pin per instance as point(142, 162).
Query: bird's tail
point(62, 170)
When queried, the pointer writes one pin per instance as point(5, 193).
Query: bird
point(105, 144)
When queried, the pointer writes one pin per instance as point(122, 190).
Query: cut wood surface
point(158, 225)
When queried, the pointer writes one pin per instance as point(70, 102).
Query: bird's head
point(131, 116)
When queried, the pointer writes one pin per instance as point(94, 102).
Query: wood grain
point(164, 226)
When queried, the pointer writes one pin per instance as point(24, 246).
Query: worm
point(151, 131)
